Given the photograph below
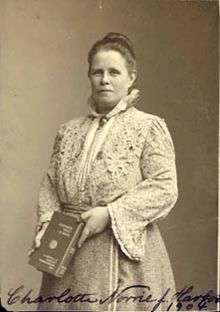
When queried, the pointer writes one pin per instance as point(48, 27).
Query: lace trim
point(117, 235)
point(45, 217)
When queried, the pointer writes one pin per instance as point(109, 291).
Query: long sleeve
point(152, 198)
point(48, 199)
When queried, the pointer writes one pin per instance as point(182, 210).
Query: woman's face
point(109, 79)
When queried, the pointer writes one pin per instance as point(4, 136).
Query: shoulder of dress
point(74, 123)
point(147, 119)
point(151, 127)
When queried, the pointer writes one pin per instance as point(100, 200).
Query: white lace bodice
point(132, 172)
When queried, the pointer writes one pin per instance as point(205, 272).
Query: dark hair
point(116, 42)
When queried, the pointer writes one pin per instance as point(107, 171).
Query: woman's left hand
point(97, 219)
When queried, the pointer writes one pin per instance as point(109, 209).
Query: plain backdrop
point(44, 46)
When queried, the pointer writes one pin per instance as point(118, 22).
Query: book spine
point(69, 251)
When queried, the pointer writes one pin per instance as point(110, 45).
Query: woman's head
point(112, 69)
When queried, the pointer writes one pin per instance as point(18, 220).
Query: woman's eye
point(114, 72)
point(96, 72)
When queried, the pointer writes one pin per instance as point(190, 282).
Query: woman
point(114, 168)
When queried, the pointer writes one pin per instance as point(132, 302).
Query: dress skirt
point(102, 278)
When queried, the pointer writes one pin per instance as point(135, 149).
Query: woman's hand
point(38, 237)
point(97, 219)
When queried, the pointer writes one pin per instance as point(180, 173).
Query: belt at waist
point(74, 209)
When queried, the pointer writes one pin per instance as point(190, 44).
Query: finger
point(38, 239)
point(30, 252)
point(84, 236)
point(85, 215)
point(37, 242)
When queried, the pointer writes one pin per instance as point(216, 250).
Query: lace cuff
point(46, 217)
point(130, 241)
point(130, 238)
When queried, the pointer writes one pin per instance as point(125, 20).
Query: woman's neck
point(103, 108)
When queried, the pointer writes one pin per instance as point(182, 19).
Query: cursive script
point(186, 298)
point(181, 299)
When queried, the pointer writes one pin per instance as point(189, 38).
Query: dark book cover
point(58, 244)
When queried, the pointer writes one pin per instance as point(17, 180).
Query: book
point(58, 244)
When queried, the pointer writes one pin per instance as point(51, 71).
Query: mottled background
point(44, 45)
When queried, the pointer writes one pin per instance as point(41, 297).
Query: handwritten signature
point(181, 299)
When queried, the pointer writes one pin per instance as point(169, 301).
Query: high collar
point(126, 102)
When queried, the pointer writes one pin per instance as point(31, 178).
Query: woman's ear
point(133, 77)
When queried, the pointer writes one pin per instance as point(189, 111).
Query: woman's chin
point(107, 97)
point(104, 106)
point(105, 100)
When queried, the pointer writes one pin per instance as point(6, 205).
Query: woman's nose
point(105, 79)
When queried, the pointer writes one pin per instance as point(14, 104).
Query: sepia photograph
point(109, 132)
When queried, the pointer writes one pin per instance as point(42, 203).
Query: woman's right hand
point(38, 237)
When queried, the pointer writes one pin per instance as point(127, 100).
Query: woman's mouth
point(100, 91)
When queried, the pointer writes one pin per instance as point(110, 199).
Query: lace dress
point(124, 161)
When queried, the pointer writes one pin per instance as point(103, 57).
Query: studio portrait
point(109, 155)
